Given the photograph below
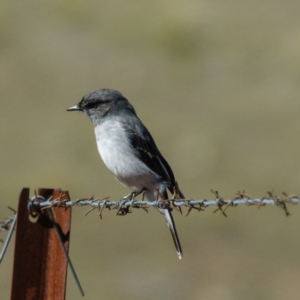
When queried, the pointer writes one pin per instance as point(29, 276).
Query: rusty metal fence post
point(40, 267)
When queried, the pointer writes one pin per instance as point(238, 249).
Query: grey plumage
point(128, 149)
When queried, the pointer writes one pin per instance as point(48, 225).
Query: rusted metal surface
point(40, 267)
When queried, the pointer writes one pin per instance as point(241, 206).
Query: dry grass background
point(216, 83)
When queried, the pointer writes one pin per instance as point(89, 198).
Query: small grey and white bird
point(128, 149)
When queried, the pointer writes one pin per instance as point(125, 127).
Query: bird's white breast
point(119, 156)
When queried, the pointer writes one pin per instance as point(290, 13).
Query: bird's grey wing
point(145, 147)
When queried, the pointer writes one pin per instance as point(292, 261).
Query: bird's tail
point(170, 222)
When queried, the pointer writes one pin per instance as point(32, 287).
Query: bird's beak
point(73, 108)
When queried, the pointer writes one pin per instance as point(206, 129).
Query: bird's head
point(99, 103)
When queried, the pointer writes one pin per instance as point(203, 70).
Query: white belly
point(118, 155)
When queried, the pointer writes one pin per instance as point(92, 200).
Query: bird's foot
point(124, 210)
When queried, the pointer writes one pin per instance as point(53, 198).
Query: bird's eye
point(95, 104)
point(91, 105)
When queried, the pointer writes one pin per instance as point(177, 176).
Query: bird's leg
point(177, 195)
point(176, 192)
point(127, 197)
point(132, 195)
point(136, 193)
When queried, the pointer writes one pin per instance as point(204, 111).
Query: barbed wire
point(37, 204)
point(126, 204)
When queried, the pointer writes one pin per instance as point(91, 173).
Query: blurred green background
point(217, 85)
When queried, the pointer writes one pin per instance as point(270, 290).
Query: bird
point(129, 151)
